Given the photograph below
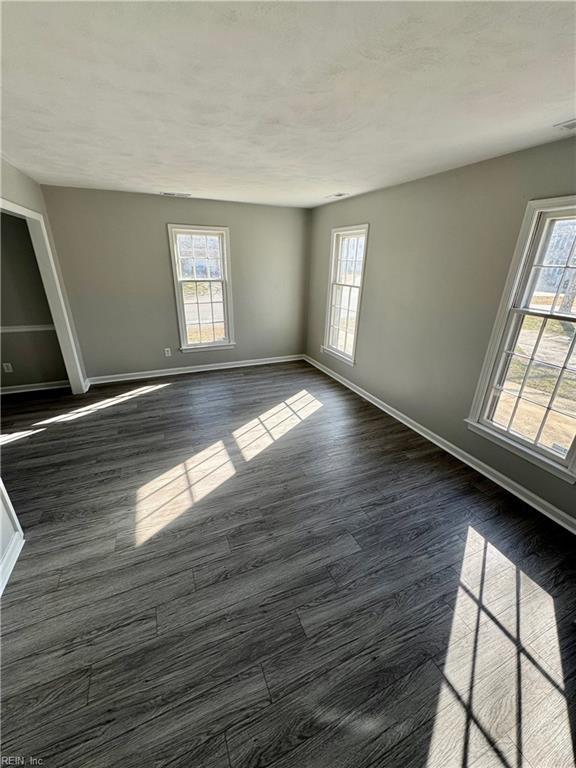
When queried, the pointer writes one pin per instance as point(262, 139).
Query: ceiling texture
point(278, 103)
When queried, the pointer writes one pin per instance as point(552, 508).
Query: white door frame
point(10, 524)
point(54, 293)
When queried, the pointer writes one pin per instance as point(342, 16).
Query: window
point(346, 270)
point(526, 397)
point(200, 261)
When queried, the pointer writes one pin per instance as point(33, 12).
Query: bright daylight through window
point(200, 260)
point(346, 272)
point(529, 394)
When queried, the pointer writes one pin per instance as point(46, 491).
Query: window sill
point(337, 355)
point(535, 458)
point(208, 347)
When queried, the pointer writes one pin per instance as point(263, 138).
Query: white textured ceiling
point(281, 103)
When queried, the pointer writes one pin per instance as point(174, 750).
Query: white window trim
point(519, 268)
point(326, 347)
point(229, 343)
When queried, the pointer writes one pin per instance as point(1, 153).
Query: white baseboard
point(9, 560)
point(158, 372)
point(64, 384)
point(560, 517)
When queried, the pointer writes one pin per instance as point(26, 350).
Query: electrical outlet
point(7, 368)
point(167, 351)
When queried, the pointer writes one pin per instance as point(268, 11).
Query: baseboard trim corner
point(540, 504)
point(161, 372)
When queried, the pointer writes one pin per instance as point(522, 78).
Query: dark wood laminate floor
point(257, 568)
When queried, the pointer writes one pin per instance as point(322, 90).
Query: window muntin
point(531, 394)
point(347, 269)
point(201, 279)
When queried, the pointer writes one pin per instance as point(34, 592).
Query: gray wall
point(35, 356)
point(114, 254)
point(438, 255)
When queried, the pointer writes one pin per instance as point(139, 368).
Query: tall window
point(346, 272)
point(200, 261)
point(527, 392)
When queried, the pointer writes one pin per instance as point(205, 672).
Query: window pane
point(513, 373)
point(566, 297)
point(345, 297)
point(351, 322)
point(337, 295)
point(340, 318)
point(218, 310)
point(540, 383)
point(349, 259)
point(558, 433)
point(191, 313)
point(203, 291)
point(184, 245)
point(217, 291)
point(349, 344)
point(565, 399)
point(354, 294)
point(199, 256)
point(555, 341)
point(201, 267)
point(349, 272)
point(544, 283)
point(341, 340)
point(205, 313)
point(207, 333)
point(214, 269)
point(189, 292)
point(193, 334)
point(213, 246)
point(199, 246)
point(186, 268)
point(219, 332)
point(527, 420)
point(502, 407)
point(352, 245)
point(561, 243)
point(528, 335)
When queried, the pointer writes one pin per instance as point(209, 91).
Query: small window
point(527, 392)
point(348, 256)
point(200, 262)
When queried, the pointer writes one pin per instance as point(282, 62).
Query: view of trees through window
point(534, 396)
point(201, 281)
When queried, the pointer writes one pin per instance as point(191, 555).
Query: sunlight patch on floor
point(258, 434)
point(86, 410)
point(502, 701)
point(174, 492)
point(171, 494)
point(12, 437)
